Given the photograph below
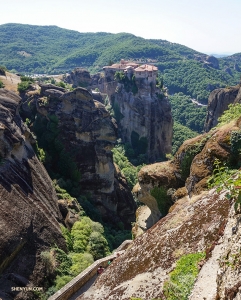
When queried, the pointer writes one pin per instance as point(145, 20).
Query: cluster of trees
point(127, 168)
point(50, 49)
point(192, 78)
point(187, 113)
point(86, 242)
point(25, 83)
point(188, 119)
point(129, 84)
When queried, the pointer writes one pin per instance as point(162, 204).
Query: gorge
point(57, 173)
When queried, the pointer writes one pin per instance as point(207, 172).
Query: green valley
point(50, 49)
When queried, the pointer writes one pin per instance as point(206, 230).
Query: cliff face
point(145, 115)
point(199, 221)
point(88, 134)
point(29, 214)
point(218, 102)
point(194, 225)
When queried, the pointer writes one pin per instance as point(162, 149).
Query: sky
point(208, 26)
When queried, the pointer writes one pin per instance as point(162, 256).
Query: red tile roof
point(146, 68)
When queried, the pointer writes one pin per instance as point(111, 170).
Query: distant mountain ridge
point(50, 49)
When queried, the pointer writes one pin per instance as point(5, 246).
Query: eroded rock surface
point(218, 102)
point(88, 133)
point(194, 225)
point(187, 173)
point(29, 214)
point(148, 116)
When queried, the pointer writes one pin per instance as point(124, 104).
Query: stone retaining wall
point(80, 280)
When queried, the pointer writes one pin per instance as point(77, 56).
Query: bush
point(23, 86)
point(68, 238)
point(190, 153)
point(61, 281)
point(98, 245)
point(63, 262)
point(233, 112)
point(88, 236)
point(80, 261)
point(163, 200)
point(49, 261)
point(1, 84)
point(182, 278)
point(129, 171)
point(3, 70)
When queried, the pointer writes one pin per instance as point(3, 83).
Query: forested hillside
point(50, 49)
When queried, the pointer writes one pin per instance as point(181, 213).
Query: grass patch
point(182, 278)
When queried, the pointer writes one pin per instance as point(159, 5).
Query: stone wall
point(79, 281)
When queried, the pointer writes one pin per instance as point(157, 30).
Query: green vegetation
point(229, 179)
point(190, 153)
point(188, 119)
point(182, 278)
point(3, 70)
point(233, 112)
point(25, 83)
point(129, 84)
point(180, 134)
point(126, 167)
point(187, 113)
point(50, 49)
point(86, 243)
point(1, 84)
point(116, 109)
point(226, 175)
point(162, 198)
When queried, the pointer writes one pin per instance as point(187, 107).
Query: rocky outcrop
point(145, 115)
point(78, 77)
point(218, 102)
point(212, 61)
point(29, 214)
point(195, 224)
point(236, 67)
point(219, 277)
point(200, 220)
point(186, 174)
point(88, 133)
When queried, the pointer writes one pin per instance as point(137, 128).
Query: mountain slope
point(50, 49)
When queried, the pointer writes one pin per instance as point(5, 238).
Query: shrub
point(3, 70)
point(80, 261)
point(98, 245)
point(233, 112)
point(63, 262)
point(61, 281)
point(163, 200)
point(49, 261)
point(182, 278)
point(68, 238)
point(23, 86)
point(1, 84)
point(190, 153)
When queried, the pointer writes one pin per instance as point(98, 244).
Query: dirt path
point(10, 81)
